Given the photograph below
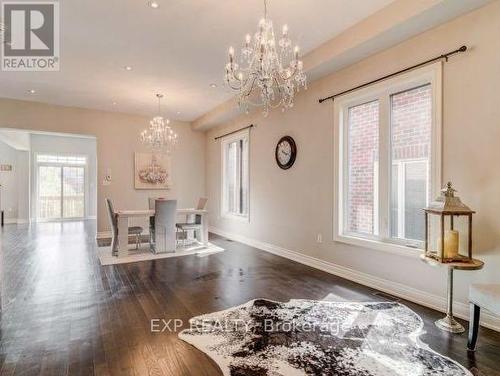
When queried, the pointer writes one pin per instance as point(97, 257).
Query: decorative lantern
point(448, 228)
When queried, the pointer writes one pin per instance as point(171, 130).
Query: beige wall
point(8, 182)
point(117, 139)
point(289, 208)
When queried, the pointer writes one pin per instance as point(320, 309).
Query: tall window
point(235, 177)
point(388, 159)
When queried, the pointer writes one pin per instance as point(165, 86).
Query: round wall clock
point(286, 152)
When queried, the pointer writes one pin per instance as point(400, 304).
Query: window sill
point(240, 218)
point(378, 245)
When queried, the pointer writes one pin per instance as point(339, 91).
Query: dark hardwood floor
point(64, 314)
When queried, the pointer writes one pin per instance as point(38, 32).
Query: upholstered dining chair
point(193, 223)
point(165, 239)
point(485, 296)
point(151, 205)
point(134, 230)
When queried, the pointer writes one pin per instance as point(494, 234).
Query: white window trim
point(244, 134)
point(428, 74)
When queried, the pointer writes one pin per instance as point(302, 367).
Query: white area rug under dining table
point(145, 254)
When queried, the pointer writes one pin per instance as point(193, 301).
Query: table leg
point(122, 236)
point(448, 323)
point(204, 229)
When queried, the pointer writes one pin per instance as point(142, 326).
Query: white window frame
point(382, 91)
point(241, 135)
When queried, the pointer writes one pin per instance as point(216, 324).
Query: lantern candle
point(450, 244)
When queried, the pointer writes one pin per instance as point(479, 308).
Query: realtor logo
point(30, 36)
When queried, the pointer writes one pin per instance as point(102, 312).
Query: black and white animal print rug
point(307, 337)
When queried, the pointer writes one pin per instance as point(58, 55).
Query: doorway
point(61, 187)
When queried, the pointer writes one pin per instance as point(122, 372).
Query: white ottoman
point(485, 296)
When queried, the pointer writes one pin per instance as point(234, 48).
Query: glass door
point(61, 192)
point(49, 192)
point(73, 189)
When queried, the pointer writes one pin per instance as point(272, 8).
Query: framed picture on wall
point(152, 171)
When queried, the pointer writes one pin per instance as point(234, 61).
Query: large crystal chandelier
point(159, 135)
point(268, 73)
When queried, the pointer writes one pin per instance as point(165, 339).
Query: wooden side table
point(448, 322)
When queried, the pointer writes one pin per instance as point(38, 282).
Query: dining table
point(124, 216)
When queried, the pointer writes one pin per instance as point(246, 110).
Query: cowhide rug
point(307, 337)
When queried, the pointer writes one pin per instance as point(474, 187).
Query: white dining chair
point(193, 222)
point(134, 230)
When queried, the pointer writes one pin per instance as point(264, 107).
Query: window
point(235, 176)
point(388, 160)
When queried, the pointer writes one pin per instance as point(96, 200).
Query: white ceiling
point(178, 49)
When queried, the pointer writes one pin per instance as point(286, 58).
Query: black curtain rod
point(233, 132)
point(444, 56)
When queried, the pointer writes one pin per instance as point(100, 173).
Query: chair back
point(151, 202)
point(151, 205)
point(202, 203)
point(165, 229)
point(112, 217)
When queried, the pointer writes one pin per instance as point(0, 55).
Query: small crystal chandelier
point(273, 69)
point(159, 135)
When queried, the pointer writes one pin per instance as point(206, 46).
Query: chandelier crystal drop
point(268, 74)
point(159, 135)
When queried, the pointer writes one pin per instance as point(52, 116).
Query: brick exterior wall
point(363, 153)
point(411, 123)
point(410, 138)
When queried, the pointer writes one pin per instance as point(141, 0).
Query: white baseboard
point(423, 298)
point(13, 221)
